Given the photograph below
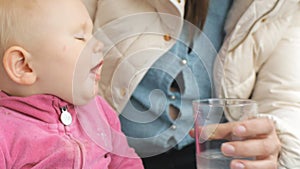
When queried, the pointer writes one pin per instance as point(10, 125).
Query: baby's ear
point(16, 62)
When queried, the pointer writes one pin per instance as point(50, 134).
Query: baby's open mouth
point(95, 70)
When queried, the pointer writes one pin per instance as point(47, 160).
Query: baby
point(50, 116)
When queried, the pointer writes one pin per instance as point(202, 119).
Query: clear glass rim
point(222, 102)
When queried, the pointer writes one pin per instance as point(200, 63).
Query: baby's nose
point(98, 47)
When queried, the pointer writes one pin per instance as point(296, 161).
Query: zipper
point(66, 119)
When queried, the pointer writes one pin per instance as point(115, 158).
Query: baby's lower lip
point(97, 67)
point(97, 77)
point(95, 71)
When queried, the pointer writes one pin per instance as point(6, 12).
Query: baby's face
point(66, 57)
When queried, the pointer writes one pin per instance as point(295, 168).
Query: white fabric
point(260, 60)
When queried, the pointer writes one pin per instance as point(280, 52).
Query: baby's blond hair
point(15, 18)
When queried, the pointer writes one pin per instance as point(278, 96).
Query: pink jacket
point(34, 135)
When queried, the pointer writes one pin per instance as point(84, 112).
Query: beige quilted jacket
point(260, 58)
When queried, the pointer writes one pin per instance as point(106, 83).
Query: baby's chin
point(96, 89)
point(84, 99)
point(96, 85)
point(86, 92)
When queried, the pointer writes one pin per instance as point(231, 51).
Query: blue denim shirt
point(145, 119)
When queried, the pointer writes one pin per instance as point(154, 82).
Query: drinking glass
point(209, 114)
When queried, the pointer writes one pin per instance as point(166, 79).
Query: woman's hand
point(258, 139)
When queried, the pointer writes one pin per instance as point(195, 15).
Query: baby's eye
point(80, 37)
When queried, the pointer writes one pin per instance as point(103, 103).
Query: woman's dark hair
point(196, 12)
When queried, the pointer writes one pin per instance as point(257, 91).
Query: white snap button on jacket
point(66, 117)
point(184, 61)
point(173, 97)
point(173, 127)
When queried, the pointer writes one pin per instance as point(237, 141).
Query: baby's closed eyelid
point(80, 36)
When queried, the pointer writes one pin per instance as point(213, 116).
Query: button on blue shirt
point(145, 119)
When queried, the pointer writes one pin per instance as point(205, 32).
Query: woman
point(258, 34)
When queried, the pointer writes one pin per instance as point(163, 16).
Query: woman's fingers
point(257, 139)
point(270, 163)
point(260, 147)
point(241, 129)
point(253, 127)
point(213, 131)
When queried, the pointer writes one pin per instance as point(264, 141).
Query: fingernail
point(228, 149)
point(238, 166)
point(239, 130)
